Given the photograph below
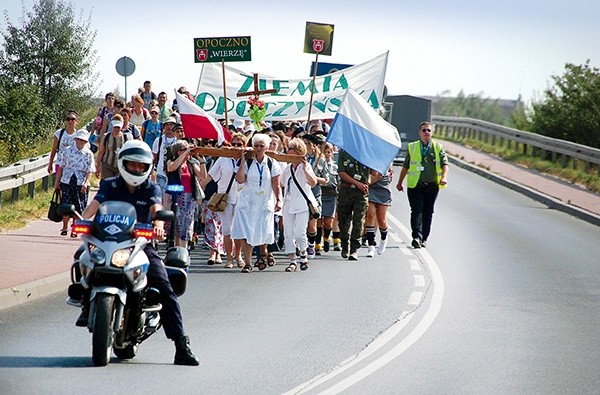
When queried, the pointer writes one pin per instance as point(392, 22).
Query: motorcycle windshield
point(114, 221)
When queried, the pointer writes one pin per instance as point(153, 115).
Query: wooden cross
point(257, 92)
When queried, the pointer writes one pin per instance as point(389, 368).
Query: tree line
point(47, 67)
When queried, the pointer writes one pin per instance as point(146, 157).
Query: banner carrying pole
point(224, 94)
point(199, 80)
point(312, 90)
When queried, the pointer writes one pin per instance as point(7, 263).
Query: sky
point(498, 49)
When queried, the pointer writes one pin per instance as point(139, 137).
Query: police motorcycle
point(111, 268)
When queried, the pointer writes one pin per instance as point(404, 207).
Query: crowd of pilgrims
point(268, 201)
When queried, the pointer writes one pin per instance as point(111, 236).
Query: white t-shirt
point(221, 171)
point(166, 142)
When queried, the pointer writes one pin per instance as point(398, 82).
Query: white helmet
point(139, 152)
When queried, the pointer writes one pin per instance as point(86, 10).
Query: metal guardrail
point(25, 172)
point(556, 149)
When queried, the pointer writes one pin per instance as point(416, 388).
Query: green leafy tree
point(503, 112)
point(49, 58)
point(570, 109)
point(23, 117)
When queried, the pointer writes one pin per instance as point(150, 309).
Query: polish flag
point(197, 123)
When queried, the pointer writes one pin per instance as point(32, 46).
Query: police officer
point(353, 201)
point(426, 166)
point(133, 186)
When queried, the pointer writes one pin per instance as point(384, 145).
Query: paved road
point(503, 300)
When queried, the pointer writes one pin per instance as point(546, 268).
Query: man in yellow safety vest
point(426, 166)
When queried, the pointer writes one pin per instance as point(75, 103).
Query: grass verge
point(574, 171)
point(16, 215)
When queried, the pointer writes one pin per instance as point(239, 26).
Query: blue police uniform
point(145, 196)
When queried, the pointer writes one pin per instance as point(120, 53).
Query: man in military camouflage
point(353, 201)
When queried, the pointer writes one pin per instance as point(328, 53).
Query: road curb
point(534, 194)
point(19, 294)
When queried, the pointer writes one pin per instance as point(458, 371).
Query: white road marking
point(419, 280)
point(415, 266)
point(399, 225)
point(395, 237)
point(415, 298)
point(419, 330)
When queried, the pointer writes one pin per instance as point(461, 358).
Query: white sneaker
point(310, 251)
point(381, 247)
point(371, 252)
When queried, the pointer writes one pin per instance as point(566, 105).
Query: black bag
point(52, 210)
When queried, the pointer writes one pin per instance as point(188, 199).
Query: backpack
point(269, 163)
point(62, 131)
point(126, 137)
point(154, 134)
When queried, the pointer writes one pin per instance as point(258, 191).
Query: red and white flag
point(197, 123)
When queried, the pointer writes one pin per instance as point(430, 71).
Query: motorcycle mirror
point(165, 215)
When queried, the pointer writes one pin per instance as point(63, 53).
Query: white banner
point(292, 99)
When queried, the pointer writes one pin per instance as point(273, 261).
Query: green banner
point(217, 49)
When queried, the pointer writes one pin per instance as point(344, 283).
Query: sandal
point(271, 259)
point(291, 268)
point(240, 262)
point(303, 266)
point(73, 235)
point(63, 232)
point(261, 264)
point(229, 265)
point(247, 269)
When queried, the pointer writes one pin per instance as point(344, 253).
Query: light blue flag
point(364, 134)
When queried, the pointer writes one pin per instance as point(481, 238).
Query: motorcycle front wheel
point(103, 329)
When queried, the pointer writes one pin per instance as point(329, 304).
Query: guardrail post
point(15, 195)
point(45, 182)
point(31, 189)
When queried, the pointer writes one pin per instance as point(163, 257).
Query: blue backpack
point(151, 134)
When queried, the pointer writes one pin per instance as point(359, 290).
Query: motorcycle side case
point(178, 279)
point(178, 257)
point(177, 262)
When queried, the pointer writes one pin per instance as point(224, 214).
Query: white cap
point(115, 123)
point(82, 134)
point(238, 123)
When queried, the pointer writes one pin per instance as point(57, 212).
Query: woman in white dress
point(222, 172)
point(295, 206)
point(258, 199)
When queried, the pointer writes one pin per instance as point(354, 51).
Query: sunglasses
point(259, 145)
point(237, 144)
point(426, 130)
point(71, 119)
point(153, 112)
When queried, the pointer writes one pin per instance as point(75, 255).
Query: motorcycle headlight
point(97, 255)
point(120, 257)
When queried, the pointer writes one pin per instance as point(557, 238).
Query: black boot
point(82, 320)
point(183, 352)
